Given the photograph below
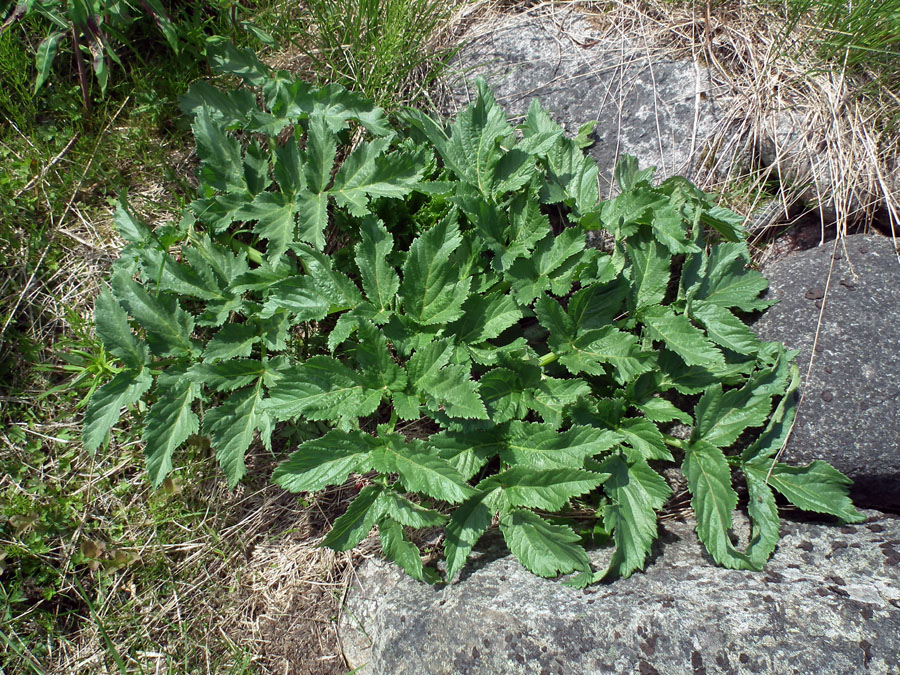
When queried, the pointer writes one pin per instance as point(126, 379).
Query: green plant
point(96, 27)
point(377, 47)
point(417, 322)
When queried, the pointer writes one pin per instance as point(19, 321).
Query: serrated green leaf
point(554, 318)
point(776, 433)
point(168, 326)
point(469, 522)
point(527, 226)
point(645, 439)
point(229, 107)
point(409, 513)
point(321, 388)
point(636, 492)
point(658, 409)
point(300, 295)
point(276, 221)
point(431, 290)
point(724, 328)
point(472, 150)
point(226, 375)
point(375, 360)
point(503, 395)
point(552, 396)
point(455, 391)
point(112, 326)
point(467, 452)
point(591, 351)
point(370, 171)
point(221, 164)
point(548, 489)
point(420, 471)
point(379, 279)
point(721, 418)
point(596, 305)
point(817, 487)
point(485, 317)
point(168, 275)
point(334, 284)
point(318, 158)
point(681, 337)
point(650, 272)
point(225, 58)
point(397, 548)
point(728, 284)
point(541, 446)
point(713, 500)
point(106, 403)
point(324, 461)
point(128, 225)
point(168, 424)
point(763, 512)
point(357, 521)
point(544, 549)
point(425, 364)
point(231, 426)
point(231, 341)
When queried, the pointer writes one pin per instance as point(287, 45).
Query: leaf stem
point(547, 359)
point(675, 442)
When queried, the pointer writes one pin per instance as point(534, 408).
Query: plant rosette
point(348, 279)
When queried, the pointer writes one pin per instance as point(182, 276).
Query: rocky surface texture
point(850, 411)
point(828, 602)
point(661, 111)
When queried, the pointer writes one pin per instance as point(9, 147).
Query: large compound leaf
point(713, 500)
point(231, 426)
point(321, 388)
point(106, 403)
point(168, 326)
point(169, 424)
point(544, 549)
point(682, 337)
point(379, 279)
point(541, 446)
point(419, 470)
point(817, 487)
point(636, 492)
point(320, 462)
point(431, 290)
point(113, 329)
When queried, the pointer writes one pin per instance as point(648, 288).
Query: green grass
point(377, 47)
point(861, 37)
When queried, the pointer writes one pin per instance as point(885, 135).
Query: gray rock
point(850, 411)
point(661, 111)
point(828, 602)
